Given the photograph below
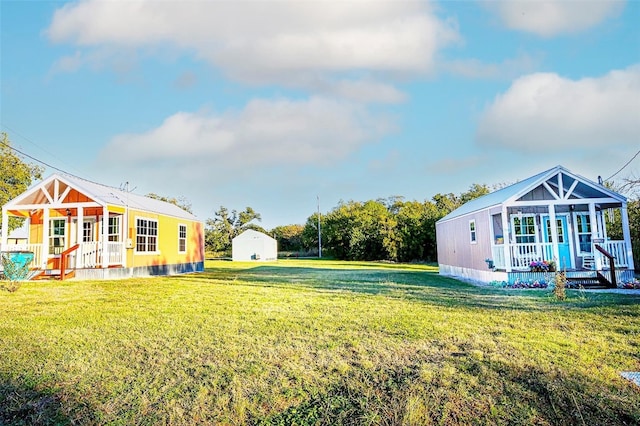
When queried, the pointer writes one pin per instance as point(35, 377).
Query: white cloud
point(549, 18)
point(266, 41)
point(363, 90)
point(266, 132)
point(547, 112)
point(509, 68)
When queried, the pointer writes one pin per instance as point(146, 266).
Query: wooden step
point(597, 282)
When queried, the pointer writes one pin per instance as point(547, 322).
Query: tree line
point(383, 229)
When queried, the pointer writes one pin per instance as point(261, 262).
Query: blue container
point(19, 261)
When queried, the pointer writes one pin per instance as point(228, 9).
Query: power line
point(623, 167)
point(50, 166)
point(35, 144)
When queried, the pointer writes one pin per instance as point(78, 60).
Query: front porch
point(568, 234)
point(522, 255)
point(67, 230)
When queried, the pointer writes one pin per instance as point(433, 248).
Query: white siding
point(254, 246)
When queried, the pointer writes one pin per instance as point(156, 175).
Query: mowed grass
point(314, 343)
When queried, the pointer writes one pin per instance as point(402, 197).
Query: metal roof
point(518, 189)
point(108, 195)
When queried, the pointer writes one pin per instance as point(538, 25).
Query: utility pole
point(319, 233)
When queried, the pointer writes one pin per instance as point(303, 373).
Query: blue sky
point(270, 104)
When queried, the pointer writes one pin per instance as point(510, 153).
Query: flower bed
point(542, 266)
point(630, 285)
point(518, 283)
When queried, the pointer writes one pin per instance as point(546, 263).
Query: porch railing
point(88, 255)
point(35, 248)
point(618, 250)
point(522, 254)
point(114, 252)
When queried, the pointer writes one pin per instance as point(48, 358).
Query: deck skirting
point(487, 276)
point(141, 271)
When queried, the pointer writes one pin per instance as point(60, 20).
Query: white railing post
point(627, 236)
point(506, 239)
point(80, 236)
point(554, 237)
point(44, 249)
point(105, 237)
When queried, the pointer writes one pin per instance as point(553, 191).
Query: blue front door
point(564, 262)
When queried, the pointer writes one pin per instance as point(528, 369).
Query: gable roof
point(103, 195)
point(518, 189)
point(252, 234)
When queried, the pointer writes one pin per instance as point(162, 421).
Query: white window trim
point(186, 235)
point(473, 233)
point(577, 232)
point(535, 227)
point(135, 241)
point(118, 233)
point(52, 236)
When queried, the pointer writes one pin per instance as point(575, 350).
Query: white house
point(499, 235)
point(254, 245)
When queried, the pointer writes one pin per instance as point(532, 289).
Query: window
point(559, 230)
point(146, 235)
point(583, 223)
point(182, 238)
point(114, 228)
point(87, 231)
point(56, 236)
point(524, 229)
point(472, 231)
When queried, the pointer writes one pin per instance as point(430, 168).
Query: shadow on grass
point(477, 392)
point(22, 405)
point(423, 285)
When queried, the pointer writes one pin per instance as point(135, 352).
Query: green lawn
point(314, 342)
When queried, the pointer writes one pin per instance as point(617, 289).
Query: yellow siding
point(167, 253)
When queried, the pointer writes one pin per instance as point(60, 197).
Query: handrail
point(63, 259)
point(612, 264)
point(604, 251)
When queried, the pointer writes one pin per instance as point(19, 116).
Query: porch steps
point(598, 281)
point(53, 274)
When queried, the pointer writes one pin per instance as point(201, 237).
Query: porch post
point(5, 229)
point(506, 244)
point(627, 235)
point(80, 237)
point(105, 236)
point(596, 232)
point(44, 250)
point(123, 239)
point(554, 237)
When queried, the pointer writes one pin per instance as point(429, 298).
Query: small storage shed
point(254, 246)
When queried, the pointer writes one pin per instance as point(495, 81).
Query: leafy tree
point(475, 191)
point(181, 202)
point(417, 231)
point(360, 231)
point(16, 176)
point(289, 237)
point(309, 237)
point(225, 226)
point(631, 187)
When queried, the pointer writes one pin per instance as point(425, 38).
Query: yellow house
point(92, 231)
